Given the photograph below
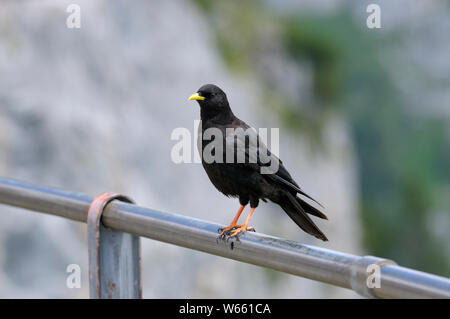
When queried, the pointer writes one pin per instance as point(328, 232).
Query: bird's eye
point(206, 94)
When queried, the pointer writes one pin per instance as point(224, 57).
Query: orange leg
point(244, 227)
point(233, 223)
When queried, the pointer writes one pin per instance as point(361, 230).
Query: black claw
point(226, 236)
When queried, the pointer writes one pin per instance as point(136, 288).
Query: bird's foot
point(225, 231)
point(240, 230)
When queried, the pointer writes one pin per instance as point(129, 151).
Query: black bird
point(245, 179)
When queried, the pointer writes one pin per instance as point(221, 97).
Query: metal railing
point(122, 279)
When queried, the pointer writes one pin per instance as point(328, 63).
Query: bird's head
point(213, 101)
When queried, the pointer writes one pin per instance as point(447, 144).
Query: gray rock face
point(93, 109)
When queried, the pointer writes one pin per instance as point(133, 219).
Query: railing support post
point(114, 256)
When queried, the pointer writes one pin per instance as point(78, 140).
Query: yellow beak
point(196, 96)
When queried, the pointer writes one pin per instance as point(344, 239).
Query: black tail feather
point(292, 186)
point(297, 213)
point(311, 209)
point(306, 195)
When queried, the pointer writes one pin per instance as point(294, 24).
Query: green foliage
point(238, 30)
point(403, 157)
point(205, 5)
point(311, 40)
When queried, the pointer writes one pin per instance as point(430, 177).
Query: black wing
point(257, 156)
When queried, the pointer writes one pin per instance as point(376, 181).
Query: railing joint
point(114, 256)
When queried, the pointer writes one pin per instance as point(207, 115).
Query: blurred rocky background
point(363, 115)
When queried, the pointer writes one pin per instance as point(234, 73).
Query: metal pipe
point(70, 205)
point(336, 268)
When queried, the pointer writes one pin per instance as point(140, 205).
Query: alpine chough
point(245, 179)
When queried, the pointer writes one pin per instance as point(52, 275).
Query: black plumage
point(245, 180)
